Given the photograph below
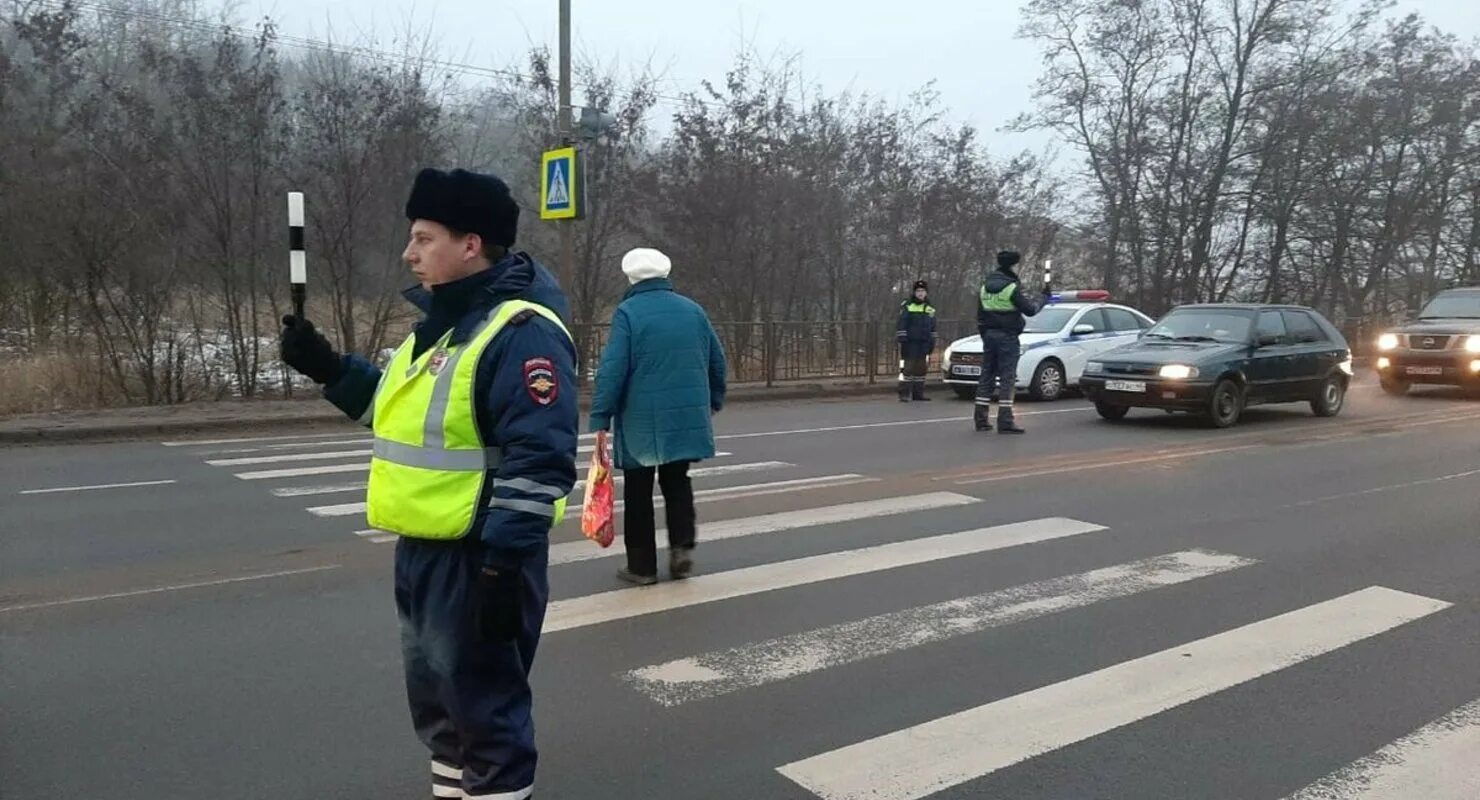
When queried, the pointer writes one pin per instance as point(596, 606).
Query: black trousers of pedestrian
point(639, 523)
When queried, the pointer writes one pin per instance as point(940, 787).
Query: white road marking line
point(891, 424)
point(157, 590)
point(97, 486)
point(714, 674)
point(1440, 761)
point(242, 462)
point(728, 493)
point(583, 550)
point(1380, 489)
point(337, 510)
point(377, 537)
point(758, 489)
point(306, 456)
point(204, 442)
point(272, 448)
point(709, 472)
point(1099, 465)
point(300, 472)
point(927, 758)
point(595, 609)
point(306, 491)
point(336, 469)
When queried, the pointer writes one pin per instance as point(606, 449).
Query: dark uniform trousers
point(998, 381)
point(470, 698)
point(912, 376)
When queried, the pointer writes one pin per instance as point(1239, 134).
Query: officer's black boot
point(917, 391)
point(1005, 423)
point(904, 392)
point(983, 417)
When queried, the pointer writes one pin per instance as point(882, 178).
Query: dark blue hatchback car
point(1218, 359)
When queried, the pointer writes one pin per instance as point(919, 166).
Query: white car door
point(1087, 335)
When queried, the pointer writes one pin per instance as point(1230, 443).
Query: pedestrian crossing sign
point(560, 189)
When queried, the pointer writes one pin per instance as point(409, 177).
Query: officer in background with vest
point(1000, 321)
point(475, 425)
point(916, 335)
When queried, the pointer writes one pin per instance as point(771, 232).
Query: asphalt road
point(890, 606)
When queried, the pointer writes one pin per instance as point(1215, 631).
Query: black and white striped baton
point(297, 258)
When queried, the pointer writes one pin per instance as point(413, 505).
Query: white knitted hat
point(645, 263)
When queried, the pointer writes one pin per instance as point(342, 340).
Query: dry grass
point(51, 382)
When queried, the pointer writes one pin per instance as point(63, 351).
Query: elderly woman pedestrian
point(661, 378)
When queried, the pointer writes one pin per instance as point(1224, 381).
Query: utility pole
point(567, 139)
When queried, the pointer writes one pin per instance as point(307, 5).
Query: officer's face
point(436, 256)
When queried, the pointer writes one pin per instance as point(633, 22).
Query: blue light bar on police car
point(1080, 296)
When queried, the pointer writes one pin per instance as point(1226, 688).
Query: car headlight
point(1472, 345)
point(1387, 341)
point(1093, 367)
point(1178, 372)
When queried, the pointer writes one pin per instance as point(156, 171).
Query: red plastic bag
point(598, 514)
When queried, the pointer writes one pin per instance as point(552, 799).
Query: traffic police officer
point(916, 334)
point(475, 425)
point(999, 320)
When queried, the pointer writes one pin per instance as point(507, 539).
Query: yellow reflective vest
point(430, 462)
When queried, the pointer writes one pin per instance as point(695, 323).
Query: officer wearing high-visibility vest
point(475, 425)
point(999, 320)
point(915, 332)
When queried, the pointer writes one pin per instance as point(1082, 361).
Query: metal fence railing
point(777, 352)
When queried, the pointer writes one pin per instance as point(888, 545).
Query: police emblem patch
point(437, 362)
point(540, 380)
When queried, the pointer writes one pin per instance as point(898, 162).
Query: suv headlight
point(1472, 345)
point(1094, 367)
point(1178, 372)
point(1387, 341)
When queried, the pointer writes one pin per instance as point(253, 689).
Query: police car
point(1072, 329)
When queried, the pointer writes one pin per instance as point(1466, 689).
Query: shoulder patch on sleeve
point(541, 380)
point(523, 317)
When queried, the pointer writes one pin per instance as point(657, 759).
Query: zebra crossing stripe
point(309, 491)
point(582, 550)
point(757, 489)
point(711, 472)
point(724, 493)
point(301, 472)
point(1440, 761)
point(927, 758)
point(701, 677)
point(604, 607)
point(336, 469)
point(242, 462)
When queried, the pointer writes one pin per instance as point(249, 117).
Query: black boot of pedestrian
point(680, 562)
point(983, 418)
point(904, 392)
point(1005, 424)
point(917, 392)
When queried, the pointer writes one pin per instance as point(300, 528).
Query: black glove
point(496, 614)
point(306, 350)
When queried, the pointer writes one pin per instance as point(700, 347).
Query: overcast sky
point(969, 47)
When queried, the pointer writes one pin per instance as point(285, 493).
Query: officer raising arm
point(475, 425)
point(999, 320)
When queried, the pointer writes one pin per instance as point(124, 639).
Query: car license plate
point(966, 369)
point(1125, 386)
point(1425, 370)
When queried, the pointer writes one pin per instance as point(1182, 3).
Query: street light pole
point(567, 139)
